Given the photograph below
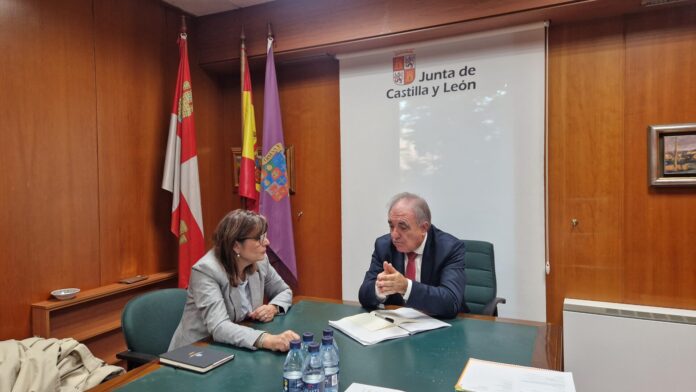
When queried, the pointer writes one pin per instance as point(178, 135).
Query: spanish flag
point(248, 179)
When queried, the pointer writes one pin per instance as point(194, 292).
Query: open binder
point(379, 325)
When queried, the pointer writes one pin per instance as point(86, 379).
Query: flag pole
point(242, 51)
point(242, 54)
point(183, 29)
point(274, 198)
point(180, 175)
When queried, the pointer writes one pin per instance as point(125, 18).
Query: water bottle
point(329, 358)
point(328, 332)
point(307, 338)
point(292, 368)
point(313, 370)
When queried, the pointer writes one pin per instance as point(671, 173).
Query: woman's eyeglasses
point(260, 238)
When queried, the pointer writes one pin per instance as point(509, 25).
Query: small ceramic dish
point(65, 293)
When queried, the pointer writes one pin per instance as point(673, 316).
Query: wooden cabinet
point(93, 317)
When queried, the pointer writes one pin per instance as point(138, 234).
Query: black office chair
point(148, 322)
point(481, 289)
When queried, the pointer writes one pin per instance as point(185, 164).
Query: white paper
point(486, 376)
point(363, 334)
point(355, 387)
point(368, 321)
point(367, 329)
point(417, 321)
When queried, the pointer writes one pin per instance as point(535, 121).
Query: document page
point(374, 327)
point(356, 387)
point(368, 329)
point(369, 321)
point(486, 376)
point(412, 320)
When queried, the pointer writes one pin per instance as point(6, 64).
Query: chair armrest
point(134, 359)
point(492, 308)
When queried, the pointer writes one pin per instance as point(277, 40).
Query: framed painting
point(672, 154)
point(289, 162)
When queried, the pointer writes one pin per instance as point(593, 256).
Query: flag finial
point(182, 29)
point(270, 31)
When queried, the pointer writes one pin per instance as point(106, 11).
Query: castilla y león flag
point(275, 195)
point(181, 172)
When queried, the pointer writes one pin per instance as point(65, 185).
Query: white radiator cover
point(620, 347)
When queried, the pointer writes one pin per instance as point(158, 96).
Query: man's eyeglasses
point(260, 238)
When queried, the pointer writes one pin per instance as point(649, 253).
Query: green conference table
point(429, 361)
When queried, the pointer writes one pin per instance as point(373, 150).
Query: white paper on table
point(487, 376)
point(355, 328)
point(355, 387)
point(414, 321)
point(368, 328)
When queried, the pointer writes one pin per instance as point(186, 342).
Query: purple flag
point(275, 189)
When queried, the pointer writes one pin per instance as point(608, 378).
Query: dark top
point(440, 292)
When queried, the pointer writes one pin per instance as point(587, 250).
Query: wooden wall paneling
point(232, 120)
point(585, 161)
point(660, 223)
point(136, 62)
point(309, 99)
point(328, 19)
point(308, 92)
point(231, 131)
point(215, 134)
point(48, 201)
point(103, 346)
point(312, 28)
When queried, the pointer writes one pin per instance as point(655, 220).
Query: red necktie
point(411, 266)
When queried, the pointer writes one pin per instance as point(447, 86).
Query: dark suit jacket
point(443, 277)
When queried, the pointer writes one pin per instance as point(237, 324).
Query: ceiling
point(205, 7)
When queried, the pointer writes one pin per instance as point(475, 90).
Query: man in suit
point(415, 265)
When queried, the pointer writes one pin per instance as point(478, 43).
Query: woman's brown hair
point(237, 226)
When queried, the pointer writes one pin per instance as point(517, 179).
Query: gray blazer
point(213, 305)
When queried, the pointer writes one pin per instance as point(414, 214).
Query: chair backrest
point(149, 320)
point(481, 286)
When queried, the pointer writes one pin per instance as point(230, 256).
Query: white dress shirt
point(418, 261)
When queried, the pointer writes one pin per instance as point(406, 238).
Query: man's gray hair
point(418, 205)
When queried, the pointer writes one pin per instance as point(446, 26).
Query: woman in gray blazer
point(228, 285)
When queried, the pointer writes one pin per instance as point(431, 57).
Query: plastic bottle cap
point(307, 337)
point(295, 344)
point(314, 347)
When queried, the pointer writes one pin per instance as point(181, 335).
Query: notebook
point(379, 325)
point(197, 358)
